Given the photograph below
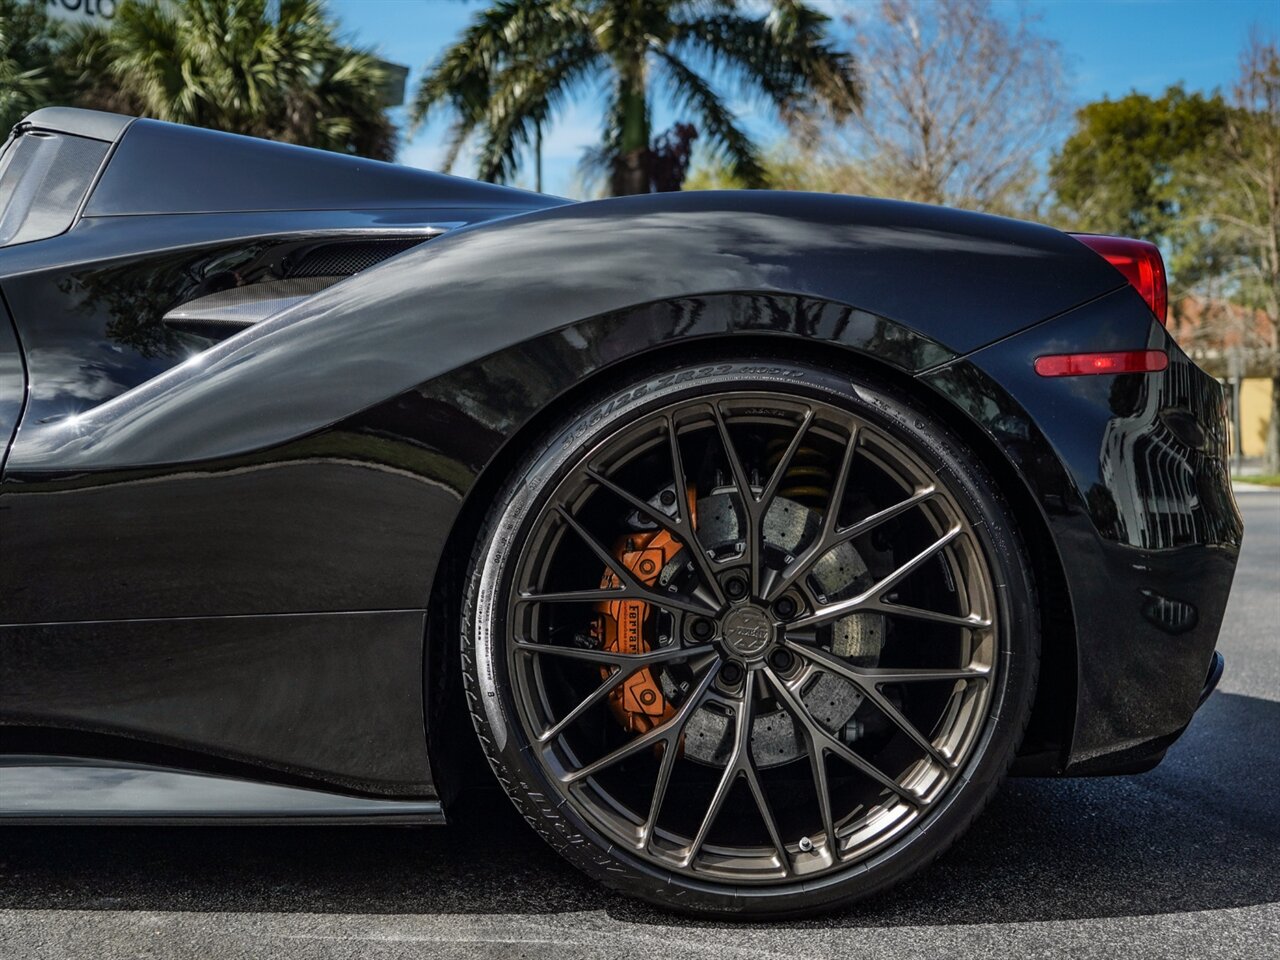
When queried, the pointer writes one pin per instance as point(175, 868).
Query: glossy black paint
point(94, 328)
point(227, 550)
point(161, 168)
point(1130, 474)
point(441, 306)
point(335, 698)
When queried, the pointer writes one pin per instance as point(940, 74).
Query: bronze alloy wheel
point(750, 637)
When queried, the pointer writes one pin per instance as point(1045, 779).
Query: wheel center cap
point(747, 632)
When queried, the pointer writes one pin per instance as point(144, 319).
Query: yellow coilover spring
point(807, 480)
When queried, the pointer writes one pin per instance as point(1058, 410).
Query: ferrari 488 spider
point(752, 537)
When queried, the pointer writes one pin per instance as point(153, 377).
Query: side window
point(43, 180)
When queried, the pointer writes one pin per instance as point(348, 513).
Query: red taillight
point(1141, 264)
point(1083, 364)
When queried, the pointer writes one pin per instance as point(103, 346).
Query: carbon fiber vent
point(290, 278)
point(346, 257)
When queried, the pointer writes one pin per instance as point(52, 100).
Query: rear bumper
point(1130, 475)
point(1216, 667)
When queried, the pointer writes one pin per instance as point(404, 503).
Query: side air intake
point(218, 315)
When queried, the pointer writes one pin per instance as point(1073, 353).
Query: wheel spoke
point(754, 508)
point(766, 812)
point(821, 543)
point(780, 471)
point(871, 690)
point(736, 466)
point(680, 527)
point(817, 765)
point(909, 728)
point(631, 587)
point(596, 594)
point(603, 555)
point(751, 533)
point(668, 763)
point(664, 732)
point(841, 484)
point(880, 516)
point(589, 595)
point(825, 613)
point(606, 687)
point(829, 744)
point(727, 779)
point(916, 674)
point(733, 769)
point(747, 764)
point(619, 661)
point(670, 751)
point(629, 665)
point(972, 621)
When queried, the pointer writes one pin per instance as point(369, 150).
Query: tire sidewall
point(492, 701)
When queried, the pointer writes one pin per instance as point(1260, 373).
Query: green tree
point(519, 60)
point(1233, 242)
point(1200, 176)
point(27, 52)
point(1120, 172)
point(265, 69)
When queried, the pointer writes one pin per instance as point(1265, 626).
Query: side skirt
point(69, 790)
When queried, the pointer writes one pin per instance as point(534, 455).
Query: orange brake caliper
point(638, 702)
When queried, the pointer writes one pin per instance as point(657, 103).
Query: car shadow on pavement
point(1200, 832)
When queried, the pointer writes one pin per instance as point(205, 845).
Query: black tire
point(999, 725)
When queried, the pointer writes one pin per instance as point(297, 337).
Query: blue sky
point(1111, 47)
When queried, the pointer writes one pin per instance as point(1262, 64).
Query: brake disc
point(831, 700)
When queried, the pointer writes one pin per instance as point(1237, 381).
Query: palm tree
point(26, 56)
point(519, 60)
point(254, 67)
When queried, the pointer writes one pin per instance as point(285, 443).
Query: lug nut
point(781, 659)
point(785, 608)
point(666, 498)
point(731, 673)
point(735, 588)
point(702, 629)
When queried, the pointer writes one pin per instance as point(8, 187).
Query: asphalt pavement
point(1183, 861)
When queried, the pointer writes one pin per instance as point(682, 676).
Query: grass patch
point(1265, 479)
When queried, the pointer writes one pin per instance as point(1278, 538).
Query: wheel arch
point(455, 756)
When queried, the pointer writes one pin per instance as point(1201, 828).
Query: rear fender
point(958, 280)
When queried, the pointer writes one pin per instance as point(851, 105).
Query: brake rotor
point(644, 700)
point(831, 700)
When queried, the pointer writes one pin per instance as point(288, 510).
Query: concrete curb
point(1240, 486)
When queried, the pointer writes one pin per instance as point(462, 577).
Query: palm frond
point(274, 70)
point(786, 55)
point(526, 94)
point(506, 32)
point(728, 142)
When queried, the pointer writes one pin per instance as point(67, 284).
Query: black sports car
point(757, 535)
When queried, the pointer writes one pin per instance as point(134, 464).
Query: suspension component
point(807, 481)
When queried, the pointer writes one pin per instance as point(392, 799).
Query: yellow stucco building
point(1255, 415)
